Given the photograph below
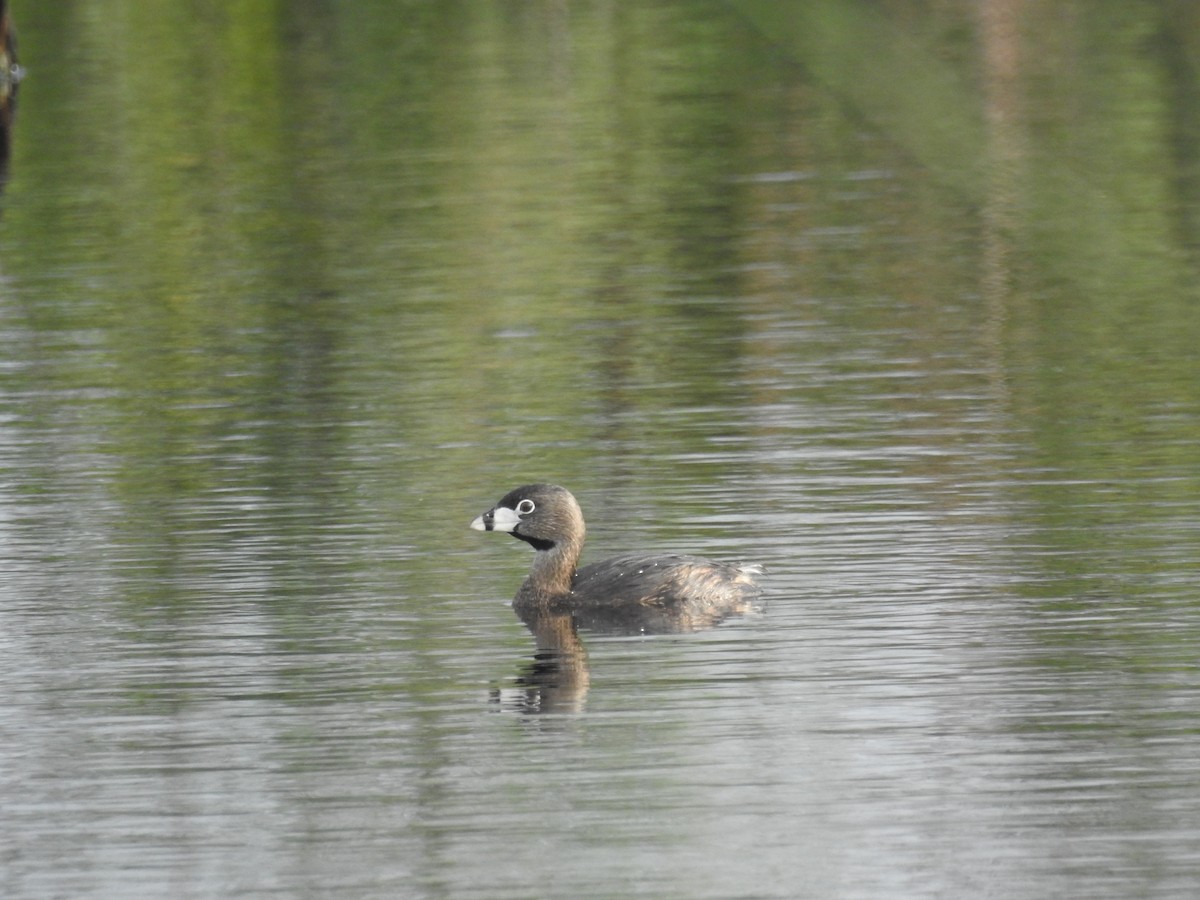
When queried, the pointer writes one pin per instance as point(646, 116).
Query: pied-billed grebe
point(638, 592)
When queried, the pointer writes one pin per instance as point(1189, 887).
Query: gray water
point(900, 303)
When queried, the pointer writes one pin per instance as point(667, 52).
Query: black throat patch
point(535, 543)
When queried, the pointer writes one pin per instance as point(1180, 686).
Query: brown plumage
point(631, 593)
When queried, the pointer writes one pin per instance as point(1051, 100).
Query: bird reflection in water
point(635, 593)
point(556, 679)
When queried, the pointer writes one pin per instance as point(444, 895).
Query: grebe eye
point(525, 507)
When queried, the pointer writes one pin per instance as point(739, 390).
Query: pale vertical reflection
point(1000, 40)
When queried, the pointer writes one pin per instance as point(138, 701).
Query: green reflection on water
point(304, 256)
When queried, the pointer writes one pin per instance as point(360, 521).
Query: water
point(287, 304)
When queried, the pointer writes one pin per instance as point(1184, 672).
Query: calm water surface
point(900, 304)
